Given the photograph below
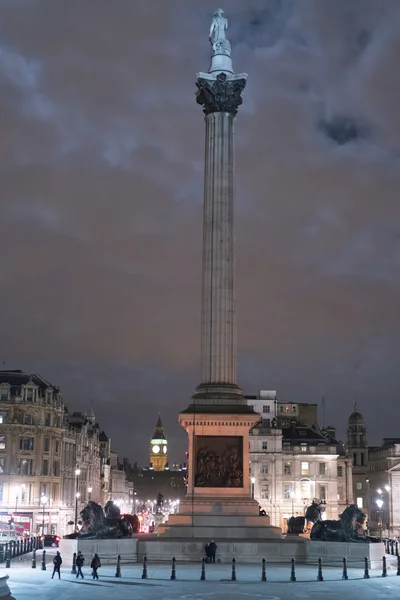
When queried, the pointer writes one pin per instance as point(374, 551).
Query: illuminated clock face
point(156, 449)
point(164, 449)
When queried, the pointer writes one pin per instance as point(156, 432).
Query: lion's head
point(93, 519)
point(352, 519)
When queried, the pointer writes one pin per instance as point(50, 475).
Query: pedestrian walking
point(57, 562)
point(212, 549)
point(80, 559)
point(95, 564)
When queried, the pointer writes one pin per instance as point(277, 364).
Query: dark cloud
point(344, 130)
point(101, 166)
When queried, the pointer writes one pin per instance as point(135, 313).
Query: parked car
point(50, 540)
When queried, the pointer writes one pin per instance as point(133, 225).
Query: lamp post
point(389, 510)
point(77, 495)
point(253, 481)
point(292, 497)
point(43, 500)
point(90, 490)
point(379, 503)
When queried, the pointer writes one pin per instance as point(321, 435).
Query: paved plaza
point(26, 583)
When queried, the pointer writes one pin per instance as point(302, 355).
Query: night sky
point(101, 162)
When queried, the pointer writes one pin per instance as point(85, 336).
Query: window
point(264, 468)
point(45, 467)
point(340, 471)
point(2, 442)
point(266, 408)
point(304, 468)
point(305, 489)
point(47, 420)
point(287, 409)
point(287, 489)
point(25, 466)
point(57, 448)
point(355, 458)
point(264, 491)
point(322, 492)
point(4, 394)
point(281, 409)
point(46, 444)
point(359, 486)
point(359, 502)
point(287, 469)
point(26, 443)
point(56, 468)
point(362, 459)
point(294, 409)
point(265, 445)
point(1, 492)
point(29, 394)
point(44, 489)
point(266, 423)
point(2, 464)
point(28, 419)
point(48, 396)
point(322, 468)
point(303, 447)
point(3, 417)
point(23, 493)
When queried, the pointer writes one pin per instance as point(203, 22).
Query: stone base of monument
point(191, 550)
point(222, 519)
point(332, 554)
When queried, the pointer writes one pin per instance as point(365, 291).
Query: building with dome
point(376, 477)
point(159, 448)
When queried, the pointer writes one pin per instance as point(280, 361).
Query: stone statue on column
point(217, 33)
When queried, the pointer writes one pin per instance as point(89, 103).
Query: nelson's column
point(218, 502)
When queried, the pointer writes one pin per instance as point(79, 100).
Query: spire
point(159, 433)
point(90, 414)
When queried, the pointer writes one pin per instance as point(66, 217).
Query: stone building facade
point(293, 462)
point(376, 477)
point(51, 462)
point(31, 451)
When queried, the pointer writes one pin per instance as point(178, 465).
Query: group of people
point(80, 561)
point(210, 549)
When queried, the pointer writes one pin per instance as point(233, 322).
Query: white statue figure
point(217, 30)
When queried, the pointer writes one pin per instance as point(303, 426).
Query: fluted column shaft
point(218, 326)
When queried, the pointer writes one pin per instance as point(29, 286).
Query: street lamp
point(77, 495)
point(292, 497)
point(379, 503)
point(43, 500)
point(253, 481)
point(90, 490)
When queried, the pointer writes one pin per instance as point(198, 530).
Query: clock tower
point(159, 448)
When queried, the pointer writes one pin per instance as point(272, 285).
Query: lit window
point(2, 442)
point(304, 468)
point(359, 502)
point(287, 489)
point(287, 409)
point(303, 447)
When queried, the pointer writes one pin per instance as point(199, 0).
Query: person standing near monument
point(212, 548)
